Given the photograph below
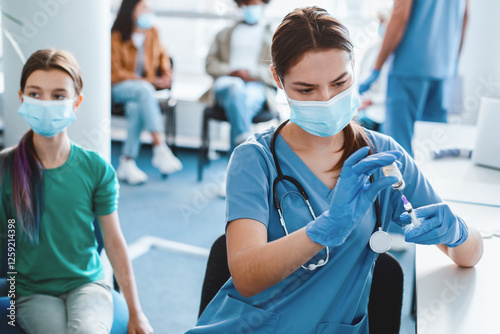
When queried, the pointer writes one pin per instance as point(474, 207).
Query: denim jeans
point(241, 101)
point(142, 110)
point(86, 309)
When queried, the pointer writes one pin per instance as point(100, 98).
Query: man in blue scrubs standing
point(425, 37)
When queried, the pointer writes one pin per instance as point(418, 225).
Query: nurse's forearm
point(469, 253)
point(395, 30)
point(257, 265)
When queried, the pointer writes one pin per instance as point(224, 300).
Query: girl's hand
point(139, 324)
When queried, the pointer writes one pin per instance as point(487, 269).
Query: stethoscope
point(380, 241)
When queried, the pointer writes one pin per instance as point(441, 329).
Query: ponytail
point(355, 137)
point(26, 172)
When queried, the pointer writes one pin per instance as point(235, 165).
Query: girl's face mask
point(47, 118)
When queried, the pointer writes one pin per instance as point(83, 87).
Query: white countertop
point(451, 299)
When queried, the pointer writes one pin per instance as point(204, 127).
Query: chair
point(386, 295)
point(217, 272)
point(216, 113)
point(120, 308)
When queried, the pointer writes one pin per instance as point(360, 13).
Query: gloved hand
point(353, 195)
point(440, 226)
point(365, 85)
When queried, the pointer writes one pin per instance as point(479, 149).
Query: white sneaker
point(213, 155)
point(165, 160)
point(129, 172)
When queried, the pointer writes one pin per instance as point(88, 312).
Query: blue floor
point(180, 209)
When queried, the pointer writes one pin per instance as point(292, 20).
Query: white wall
point(480, 62)
point(81, 27)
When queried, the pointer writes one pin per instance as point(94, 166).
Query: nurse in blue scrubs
point(310, 271)
point(425, 37)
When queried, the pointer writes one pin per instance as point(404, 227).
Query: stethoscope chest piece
point(380, 241)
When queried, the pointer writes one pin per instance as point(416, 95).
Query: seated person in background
point(136, 59)
point(371, 113)
point(50, 192)
point(238, 60)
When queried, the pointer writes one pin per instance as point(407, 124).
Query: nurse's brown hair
point(313, 29)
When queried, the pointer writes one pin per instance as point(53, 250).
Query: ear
point(78, 101)
point(275, 76)
point(21, 96)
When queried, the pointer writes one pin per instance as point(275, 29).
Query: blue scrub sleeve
point(248, 187)
point(107, 188)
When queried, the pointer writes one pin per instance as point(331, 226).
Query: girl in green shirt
point(51, 191)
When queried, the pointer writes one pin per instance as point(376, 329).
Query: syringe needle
point(409, 209)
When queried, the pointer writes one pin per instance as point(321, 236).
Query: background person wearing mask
point(238, 60)
point(139, 67)
point(426, 37)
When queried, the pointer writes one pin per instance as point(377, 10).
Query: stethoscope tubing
point(278, 206)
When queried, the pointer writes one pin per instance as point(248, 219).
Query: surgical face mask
point(252, 14)
point(47, 118)
point(381, 30)
point(324, 118)
point(146, 21)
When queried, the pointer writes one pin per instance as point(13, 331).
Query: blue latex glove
point(353, 195)
point(440, 226)
point(365, 85)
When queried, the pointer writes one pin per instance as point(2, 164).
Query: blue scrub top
point(431, 42)
point(330, 299)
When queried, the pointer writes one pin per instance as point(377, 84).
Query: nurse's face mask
point(324, 118)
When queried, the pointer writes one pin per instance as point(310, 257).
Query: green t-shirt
point(66, 256)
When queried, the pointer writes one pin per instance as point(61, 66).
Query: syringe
point(409, 209)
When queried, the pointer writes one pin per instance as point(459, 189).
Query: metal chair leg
point(171, 126)
point(168, 107)
point(203, 152)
